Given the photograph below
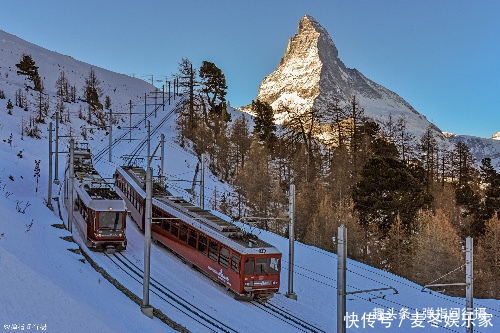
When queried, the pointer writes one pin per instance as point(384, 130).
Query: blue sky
point(443, 56)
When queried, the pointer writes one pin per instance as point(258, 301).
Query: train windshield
point(267, 266)
point(110, 220)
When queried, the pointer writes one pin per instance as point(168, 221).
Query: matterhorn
point(310, 74)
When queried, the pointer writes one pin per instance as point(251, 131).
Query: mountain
point(311, 74)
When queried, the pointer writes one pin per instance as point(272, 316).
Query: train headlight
point(248, 284)
point(120, 235)
point(275, 282)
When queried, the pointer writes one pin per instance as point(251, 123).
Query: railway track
point(288, 317)
point(101, 153)
point(169, 296)
point(154, 130)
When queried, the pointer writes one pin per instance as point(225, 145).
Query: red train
point(98, 211)
point(243, 263)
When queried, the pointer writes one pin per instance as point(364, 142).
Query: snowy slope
point(480, 148)
point(43, 283)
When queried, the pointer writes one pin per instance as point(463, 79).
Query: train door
point(249, 273)
point(90, 220)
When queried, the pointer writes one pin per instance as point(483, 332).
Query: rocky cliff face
point(310, 74)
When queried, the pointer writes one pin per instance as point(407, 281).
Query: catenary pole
point(130, 121)
point(469, 279)
point(145, 307)
point(110, 135)
point(148, 162)
point(291, 241)
point(71, 184)
point(341, 278)
point(56, 156)
point(202, 182)
point(49, 195)
point(162, 159)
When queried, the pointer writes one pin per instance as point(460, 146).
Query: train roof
point(199, 217)
point(94, 190)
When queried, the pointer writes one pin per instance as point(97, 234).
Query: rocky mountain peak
point(310, 74)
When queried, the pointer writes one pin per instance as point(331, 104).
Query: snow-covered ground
point(45, 286)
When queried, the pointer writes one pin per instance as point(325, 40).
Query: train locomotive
point(243, 263)
point(98, 211)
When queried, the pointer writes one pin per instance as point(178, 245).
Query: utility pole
point(341, 278)
point(145, 307)
point(469, 279)
point(163, 96)
point(291, 241)
point(71, 183)
point(202, 182)
point(110, 135)
point(144, 109)
point(49, 196)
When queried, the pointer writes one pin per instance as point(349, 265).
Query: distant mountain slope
point(480, 148)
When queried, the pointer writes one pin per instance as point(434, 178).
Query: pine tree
point(241, 141)
point(264, 128)
point(63, 87)
point(388, 188)
point(91, 94)
point(491, 180)
point(27, 67)
point(9, 106)
point(188, 82)
point(107, 102)
point(428, 148)
point(213, 92)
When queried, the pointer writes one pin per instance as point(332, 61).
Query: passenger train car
point(240, 261)
point(98, 211)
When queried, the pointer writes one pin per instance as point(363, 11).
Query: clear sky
point(442, 56)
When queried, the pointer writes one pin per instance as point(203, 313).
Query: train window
point(192, 238)
point(165, 225)
point(202, 244)
point(175, 228)
point(156, 218)
point(213, 251)
point(184, 233)
point(249, 267)
point(267, 266)
point(224, 257)
point(235, 262)
point(110, 220)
